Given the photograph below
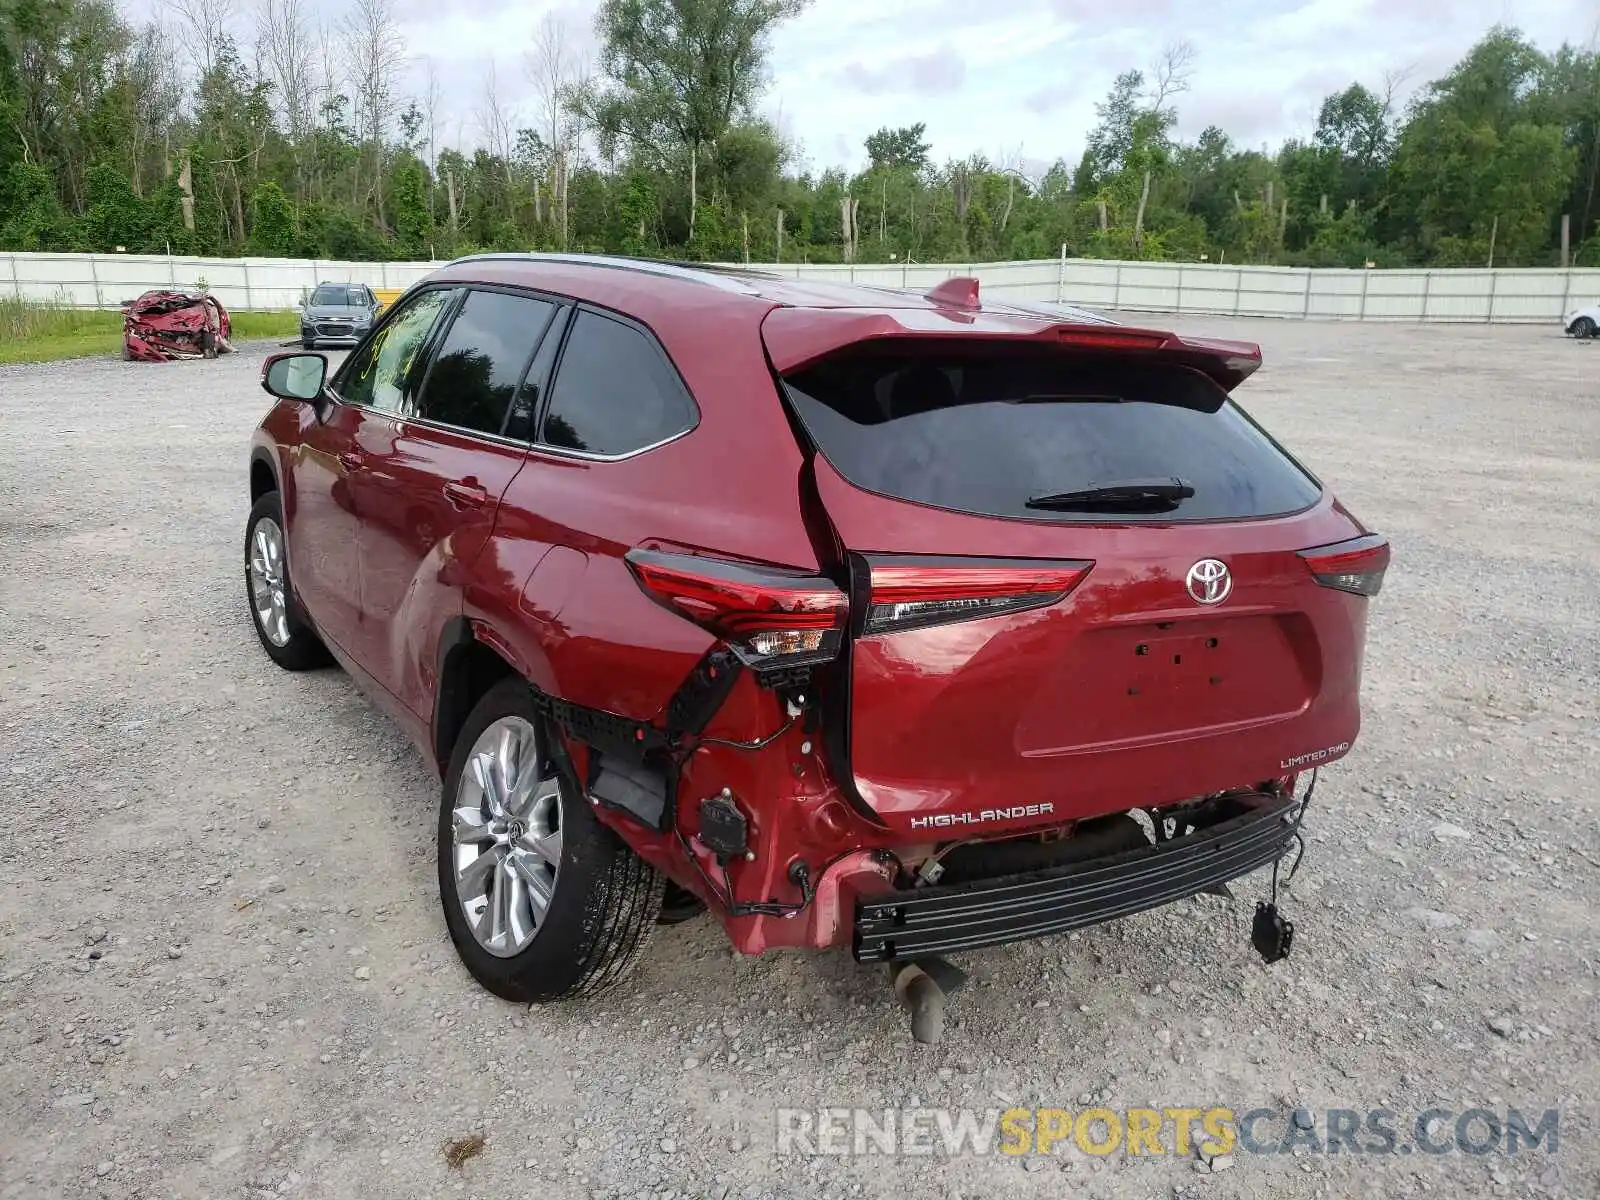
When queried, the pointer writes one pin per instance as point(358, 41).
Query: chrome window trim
point(402, 420)
point(588, 456)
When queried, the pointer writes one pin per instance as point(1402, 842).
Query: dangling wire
point(758, 744)
point(1300, 855)
point(1299, 838)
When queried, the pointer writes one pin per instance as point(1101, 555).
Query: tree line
point(218, 128)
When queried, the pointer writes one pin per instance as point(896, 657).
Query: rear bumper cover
point(991, 912)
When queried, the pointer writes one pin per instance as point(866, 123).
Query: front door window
point(382, 373)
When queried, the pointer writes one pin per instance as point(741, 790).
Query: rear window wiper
point(1126, 495)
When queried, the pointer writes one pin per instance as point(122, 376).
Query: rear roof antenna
point(959, 292)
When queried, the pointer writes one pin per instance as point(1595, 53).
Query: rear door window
point(983, 430)
point(481, 361)
point(614, 391)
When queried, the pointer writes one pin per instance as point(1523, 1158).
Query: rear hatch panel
point(1128, 691)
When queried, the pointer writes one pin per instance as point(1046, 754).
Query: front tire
point(284, 632)
point(1583, 327)
point(542, 901)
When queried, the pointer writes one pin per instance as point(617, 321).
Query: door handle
point(350, 461)
point(465, 494)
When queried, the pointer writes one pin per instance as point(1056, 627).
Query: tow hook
point(921, 985)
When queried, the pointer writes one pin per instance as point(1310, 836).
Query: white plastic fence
point(107, 280)
point(1501, 295)
point(1504, 295)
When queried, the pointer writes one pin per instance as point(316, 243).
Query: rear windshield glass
point(984, 431)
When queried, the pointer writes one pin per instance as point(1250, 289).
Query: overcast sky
point(1019, 78)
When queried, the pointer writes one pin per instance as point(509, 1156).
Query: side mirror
point(294, 376)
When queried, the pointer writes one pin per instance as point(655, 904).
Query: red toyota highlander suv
point(906, 623)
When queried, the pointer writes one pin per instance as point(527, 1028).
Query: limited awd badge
point(1209, 581)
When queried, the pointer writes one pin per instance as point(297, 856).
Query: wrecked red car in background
point(163, 325)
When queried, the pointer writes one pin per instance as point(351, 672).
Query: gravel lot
point(223, 971)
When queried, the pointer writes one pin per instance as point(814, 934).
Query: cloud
point(1053, 98)
point(932, 74)
point(1098, 12)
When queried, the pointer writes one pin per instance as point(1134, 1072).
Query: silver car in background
point(337, 314)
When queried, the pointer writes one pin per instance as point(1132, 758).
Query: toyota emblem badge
point(1209, 581)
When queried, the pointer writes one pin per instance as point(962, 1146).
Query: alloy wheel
point(268, 587)
point(507, 836)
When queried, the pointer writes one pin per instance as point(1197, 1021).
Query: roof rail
point(688, 272)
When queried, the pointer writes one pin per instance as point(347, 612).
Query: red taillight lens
point(1356, 566)
point(911, 593)
point(770, 617)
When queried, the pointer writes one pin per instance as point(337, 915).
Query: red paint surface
point(397, 529)
point(163, 325)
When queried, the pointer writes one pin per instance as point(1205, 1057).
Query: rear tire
point(285, 634)
point(542, 843)
point(1583, 327)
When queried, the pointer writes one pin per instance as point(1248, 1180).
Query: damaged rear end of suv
point(903, 625)
point(1083, 627)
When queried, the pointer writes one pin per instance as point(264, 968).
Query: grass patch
point(34, 332)
point(279, 325)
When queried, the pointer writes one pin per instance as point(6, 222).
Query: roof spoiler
point(797, 337)
point(1227, 362)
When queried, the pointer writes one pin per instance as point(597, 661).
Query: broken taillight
point(912, 593)
point(770, 617)
point(1356, 566)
